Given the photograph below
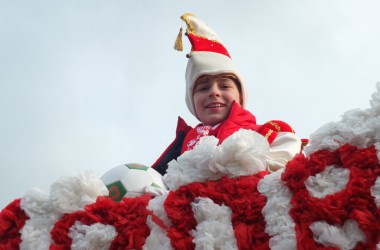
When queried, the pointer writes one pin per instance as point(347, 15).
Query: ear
point(238, 85)
point(240, 99)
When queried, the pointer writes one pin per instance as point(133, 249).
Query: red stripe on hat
point(204, 44)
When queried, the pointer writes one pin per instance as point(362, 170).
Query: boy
point(216, 96)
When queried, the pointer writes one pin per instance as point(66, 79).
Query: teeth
point(214, 106)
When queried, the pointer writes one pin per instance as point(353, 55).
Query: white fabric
point(195, 25)
point(283, 148)
point(209, 63)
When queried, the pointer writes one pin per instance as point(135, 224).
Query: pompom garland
point(128, 217)
point(355, 202)
point(261, 211)
point(239, 194)
point(68, 194)
point(221, 198)
point(279, 224)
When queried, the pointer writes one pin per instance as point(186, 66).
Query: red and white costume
point(209, 57)
point(284, 143)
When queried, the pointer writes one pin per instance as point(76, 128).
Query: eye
point(201, 87)
point(225, 83)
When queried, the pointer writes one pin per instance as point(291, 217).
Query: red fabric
point(240, 194)
point(238, 118)
point(355, 202)
point(12, 220)
point(193, 136)
point(268, 133)
point(279, 126)
point(203, 44)
point(270, 129)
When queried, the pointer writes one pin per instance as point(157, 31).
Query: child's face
point(213, 97)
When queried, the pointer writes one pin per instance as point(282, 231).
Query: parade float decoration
point(221, 197)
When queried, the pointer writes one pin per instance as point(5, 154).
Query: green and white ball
point(129, 180)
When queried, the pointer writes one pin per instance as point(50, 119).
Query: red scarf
point(193, 136)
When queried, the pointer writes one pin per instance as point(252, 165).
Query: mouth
point(215, 105)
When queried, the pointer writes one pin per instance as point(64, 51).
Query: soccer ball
point(129, 180)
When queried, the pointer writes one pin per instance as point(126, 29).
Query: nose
point(214, 90)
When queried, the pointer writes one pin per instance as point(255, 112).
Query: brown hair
point(232, 77)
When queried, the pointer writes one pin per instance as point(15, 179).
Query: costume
point(284, 143)
point(208, 56)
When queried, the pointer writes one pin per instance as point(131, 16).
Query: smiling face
point(213, 97)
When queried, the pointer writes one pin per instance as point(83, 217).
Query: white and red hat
point(207, 57)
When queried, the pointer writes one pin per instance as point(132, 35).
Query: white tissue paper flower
point(67, 195)
point(42, 216)
point(96, 236)
point(72, 193)
point(375, 192)
point(214, 228)
point(357, 127)
point(157, 238)
point(345, 237)
point(332, 180)
point(243, 153)
point(278, 222)
point(35, 202)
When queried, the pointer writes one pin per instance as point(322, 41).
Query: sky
point(90, 85)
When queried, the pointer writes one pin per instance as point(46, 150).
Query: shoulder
point(174, 149)
point(271, 129)
point(278, 126)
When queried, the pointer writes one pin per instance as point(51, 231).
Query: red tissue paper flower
point(240, 194)
point(12, 219)
point(355, 202)
point(127, 216)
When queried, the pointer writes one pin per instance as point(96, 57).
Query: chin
point(215, 122)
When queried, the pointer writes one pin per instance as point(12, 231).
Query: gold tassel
point(178, 42)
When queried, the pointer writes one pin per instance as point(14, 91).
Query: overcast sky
point(95, 84)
